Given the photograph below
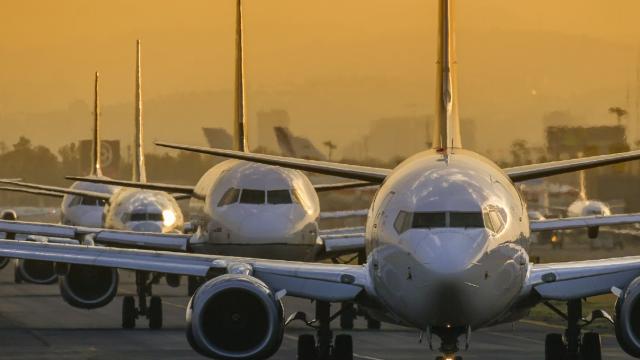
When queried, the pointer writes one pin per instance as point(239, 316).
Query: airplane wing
point(325, 282)
point(32, 191)
point(170, 188)
point(118, 238)
point(581, 279)
point(56, 189)
point(535, 171)
point(356, 172)
point(188, 190)
point(583, 222)
point(343, 214)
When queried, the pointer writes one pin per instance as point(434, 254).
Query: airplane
point(446, 239)
point(122, 208)
point(74, 210)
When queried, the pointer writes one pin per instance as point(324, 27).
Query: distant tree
point(618, 112)
point(331, 146)
point(520, 152)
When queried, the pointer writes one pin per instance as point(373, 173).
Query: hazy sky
point(335, 65)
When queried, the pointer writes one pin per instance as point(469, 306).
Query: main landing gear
point(323, 346)
point(575, 345)
point(152, 311)
point(349, 312)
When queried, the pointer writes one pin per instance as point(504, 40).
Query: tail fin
point(96, 169)
point(583, 185)
point(240, 141)
point(139, 168)
point(447, 122)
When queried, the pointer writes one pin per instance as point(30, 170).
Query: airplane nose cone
point(449, 251)
point(146, 227)
point(267, 225)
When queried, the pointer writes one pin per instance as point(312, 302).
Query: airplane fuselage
point(450, 232)
point(85, 211)
point(254, 210)
point(143, 211)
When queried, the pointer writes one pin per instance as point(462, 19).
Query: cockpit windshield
point(143, 216)
point(251, 196)
point(450, 219)
point(87, 201)
point(258, 197)
point(279, 197)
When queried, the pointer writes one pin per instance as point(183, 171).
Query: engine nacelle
point(88, 287)
point(628, 319)
point(235, 317)
point(36, 271)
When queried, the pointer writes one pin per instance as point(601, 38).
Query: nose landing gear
point(324, 346)
point(152, 310)
point(575, 345)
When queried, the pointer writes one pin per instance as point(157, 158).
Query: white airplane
point(117, 208)
point(446, 237)
point(75, 209)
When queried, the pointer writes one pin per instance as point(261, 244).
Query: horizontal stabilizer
point(584, 222)
point(356, 172)
point(535, 171)
point(170, 188)
point(60, 190)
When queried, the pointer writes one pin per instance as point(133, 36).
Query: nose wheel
point(324, 346)
point(151, 310)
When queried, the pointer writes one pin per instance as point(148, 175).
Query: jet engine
point(628, 319)
point(35, 272)
point(235, 317)
point(88, 287)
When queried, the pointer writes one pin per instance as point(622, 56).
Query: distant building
point(218, 138)
point(565, 142)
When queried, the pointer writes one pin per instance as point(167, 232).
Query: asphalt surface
point(35, 323)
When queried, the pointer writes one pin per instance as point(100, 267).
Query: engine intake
point(36, 271)
point(235, 317)
point(628, 319)
point(89, 287)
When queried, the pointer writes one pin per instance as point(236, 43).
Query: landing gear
point(347, 316)
point(153, 311)
point(326, 347)
point(574, 345)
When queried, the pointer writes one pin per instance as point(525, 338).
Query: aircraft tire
point(554, 347)
point(590, 348)
point(155, 313)
point(343, 347)
point(307, 347)
point(128, 312)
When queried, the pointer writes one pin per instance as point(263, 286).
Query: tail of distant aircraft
point(96, 169)
point(240, 141)
point(139, 168)
point(447, 122)
point(583, 185)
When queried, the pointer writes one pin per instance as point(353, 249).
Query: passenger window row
point(256, 197)
point(450, 219)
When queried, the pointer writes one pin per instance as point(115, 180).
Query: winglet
point(240, 141)
point(96, 169)
point(447, 123)
point(139, 168)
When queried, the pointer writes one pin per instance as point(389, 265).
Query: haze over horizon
point(335, 67)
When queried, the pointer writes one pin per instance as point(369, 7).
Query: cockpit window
point(250, 196)
point(145, 216)
point(230, 197)
point(454, 219)
point(86, 201)
point(429, 220)
point(466, 219)
point(279, 197)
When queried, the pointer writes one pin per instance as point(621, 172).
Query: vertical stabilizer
point(96, 169)
point(447, 122)
point(583, 185)
point(240, 142)
point(139, 169)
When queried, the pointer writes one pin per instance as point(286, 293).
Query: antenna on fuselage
point(240, 141)
point(447, 122)
point(139, 168)
point(96, 169)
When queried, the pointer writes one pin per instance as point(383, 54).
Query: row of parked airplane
point(446, 243)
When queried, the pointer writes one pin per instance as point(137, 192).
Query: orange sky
point(335, 65)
